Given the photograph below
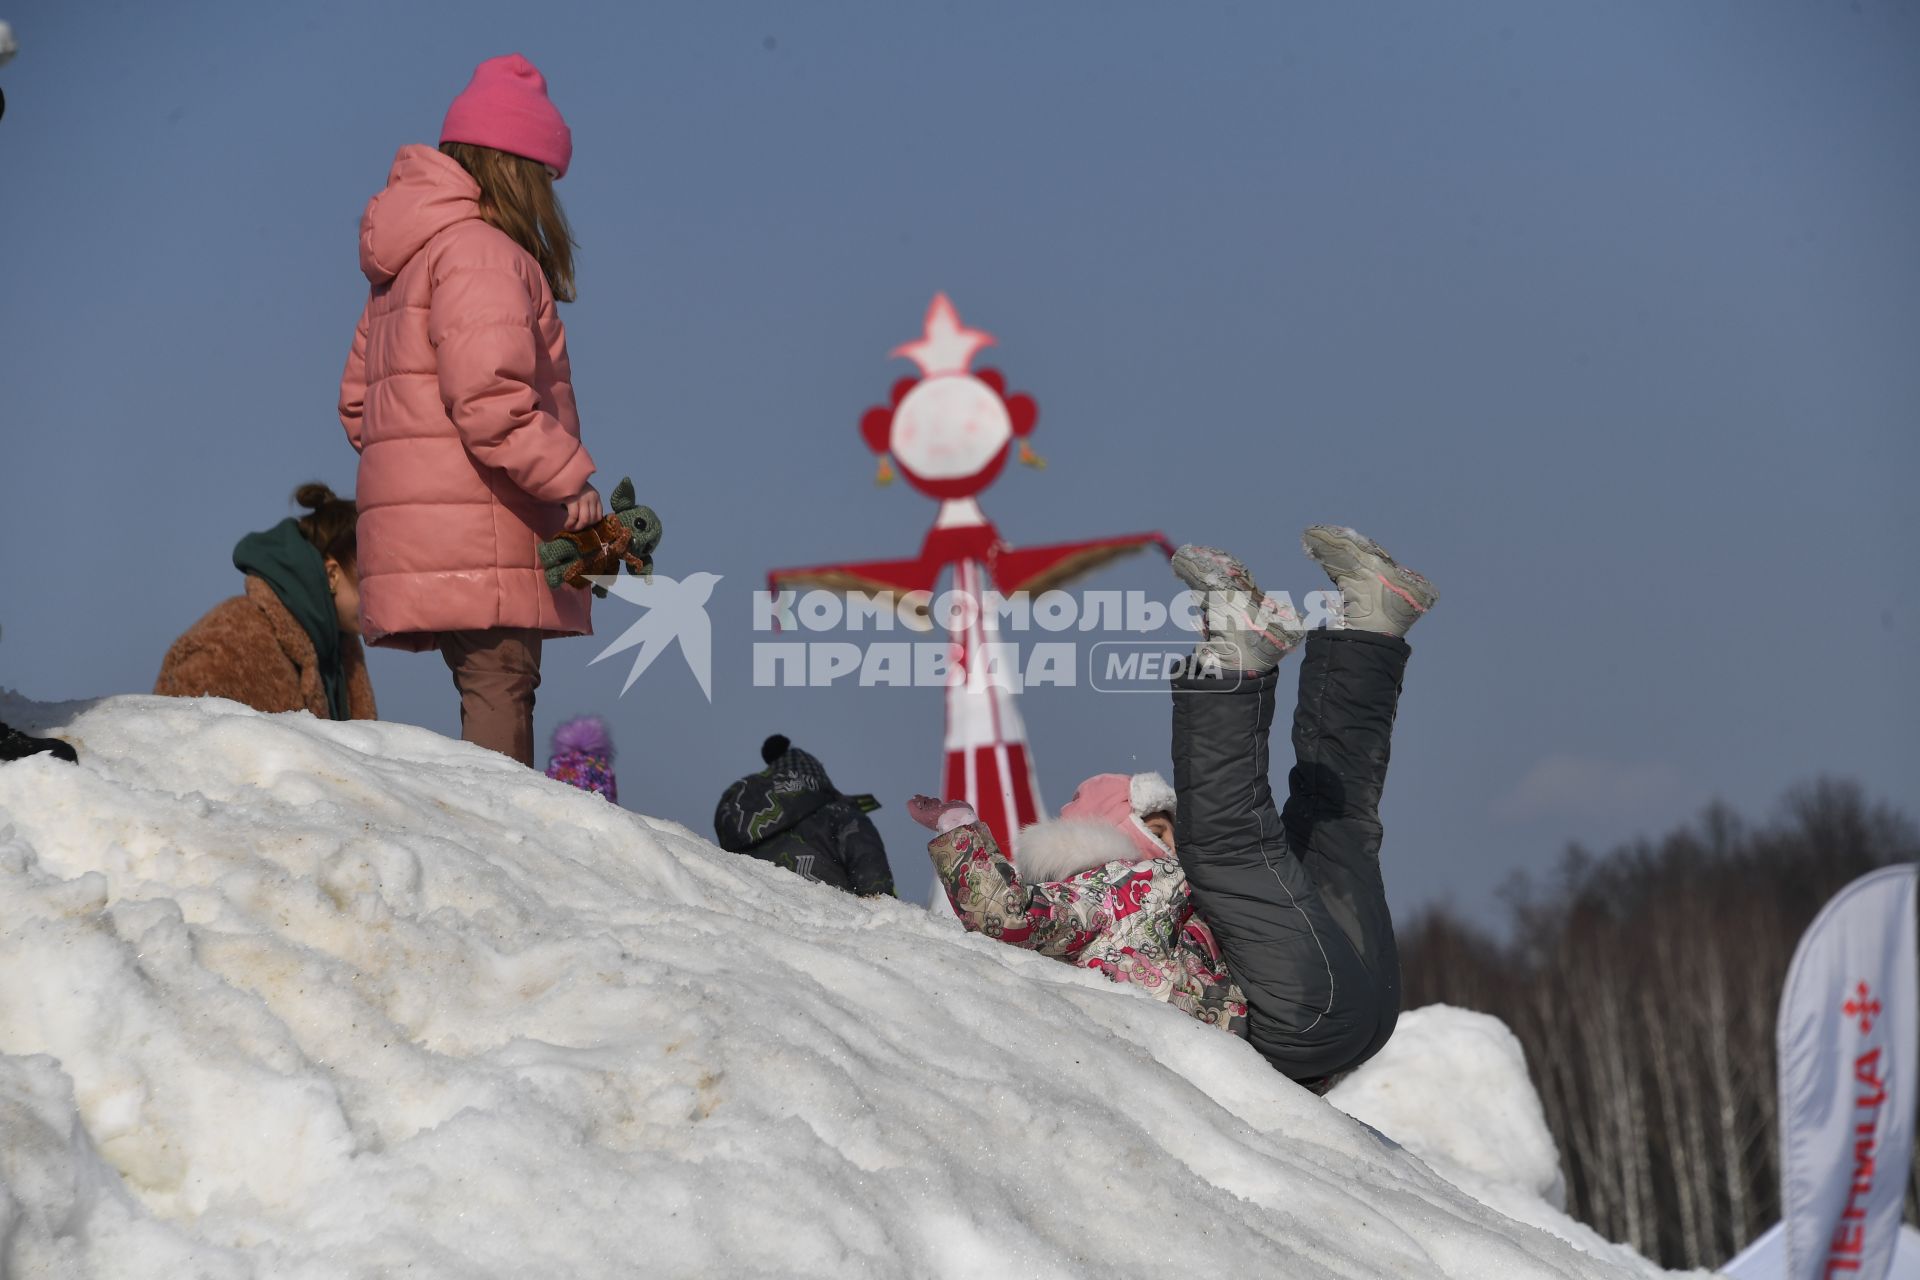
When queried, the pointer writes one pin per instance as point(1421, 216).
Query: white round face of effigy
point(950, 427)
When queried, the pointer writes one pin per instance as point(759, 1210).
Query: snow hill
point(287, 998)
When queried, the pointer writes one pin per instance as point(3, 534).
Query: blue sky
point(1605, 317)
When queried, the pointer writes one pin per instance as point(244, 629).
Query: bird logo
point(675, 610)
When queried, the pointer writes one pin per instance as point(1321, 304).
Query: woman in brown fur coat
point(292, 641)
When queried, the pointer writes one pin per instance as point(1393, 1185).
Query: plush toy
point(626, 535)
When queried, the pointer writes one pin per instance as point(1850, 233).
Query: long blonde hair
point(516, 195)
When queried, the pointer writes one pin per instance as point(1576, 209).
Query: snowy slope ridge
point(1452, 1088)
point(287, 998)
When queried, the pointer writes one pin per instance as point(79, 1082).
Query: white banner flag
point(1849, 1031)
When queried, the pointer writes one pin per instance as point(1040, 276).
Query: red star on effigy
point(946, 345)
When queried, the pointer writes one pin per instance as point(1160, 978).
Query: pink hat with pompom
point(1120, 801)
point(505, 106)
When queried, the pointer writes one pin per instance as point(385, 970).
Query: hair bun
point(314, 495)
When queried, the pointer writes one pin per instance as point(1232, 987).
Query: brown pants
point(496, 673)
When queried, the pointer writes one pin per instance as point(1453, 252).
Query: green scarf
point(284, 559)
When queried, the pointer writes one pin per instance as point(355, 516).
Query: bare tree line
point(1644, 985)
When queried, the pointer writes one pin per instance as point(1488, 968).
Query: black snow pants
point(1294, 897)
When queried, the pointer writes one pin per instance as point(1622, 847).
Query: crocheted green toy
point(626, 535)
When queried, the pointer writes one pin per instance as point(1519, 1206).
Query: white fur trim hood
point(1048, 852)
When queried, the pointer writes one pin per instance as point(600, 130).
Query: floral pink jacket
point(1133, 921)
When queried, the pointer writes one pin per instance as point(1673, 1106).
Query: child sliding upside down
point(1281, 912)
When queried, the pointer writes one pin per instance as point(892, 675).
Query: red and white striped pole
point(987, 763)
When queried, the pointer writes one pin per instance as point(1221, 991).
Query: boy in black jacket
point(790, 814)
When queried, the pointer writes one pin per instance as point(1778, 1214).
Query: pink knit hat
point(1119, 801)
point(505, 107)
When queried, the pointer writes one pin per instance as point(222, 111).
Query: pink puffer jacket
point(458, 396)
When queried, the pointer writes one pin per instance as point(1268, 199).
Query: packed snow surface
point(287, 998)
point(1452, 1088)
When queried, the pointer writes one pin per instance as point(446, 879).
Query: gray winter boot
point(1245, 629)
point(1376, 594)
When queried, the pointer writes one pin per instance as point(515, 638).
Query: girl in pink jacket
point(1099, 887)
point(458, 397)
